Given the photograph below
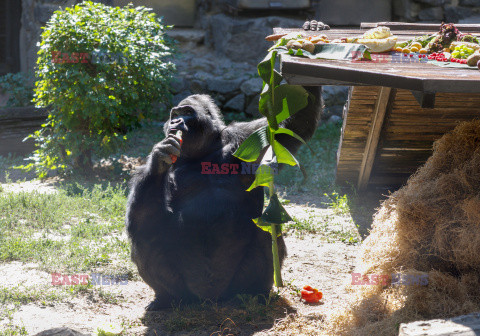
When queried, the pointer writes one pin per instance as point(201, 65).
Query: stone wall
point(35, 13)
point(435, 11)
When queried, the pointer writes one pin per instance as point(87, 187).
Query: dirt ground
point(313, 259)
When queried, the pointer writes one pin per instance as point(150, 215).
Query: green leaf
point(289, 99)
point(338, 51)
point(251, 147)
point(274, 214)
point(267, 226)
point(283, 155)
point(263, 178)
point(264, 175)
point(265, 69)
point(282, 130)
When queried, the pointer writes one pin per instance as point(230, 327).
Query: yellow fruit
point(423, 51)
point(413, 49)
point(398, 49)
point(377, 33)
point(379, 45)
point(416, 45)
point(406, 50)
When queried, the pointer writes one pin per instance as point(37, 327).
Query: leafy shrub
point(94, 101)
point(19, 87)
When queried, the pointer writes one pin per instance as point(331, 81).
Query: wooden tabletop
point(389, 71)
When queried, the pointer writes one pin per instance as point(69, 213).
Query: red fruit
point(311, 295)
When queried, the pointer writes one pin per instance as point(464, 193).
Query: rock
point(352, 12)
point(471, 19)
point(243, 39)
point(472, 3)
point(237, 103)
point(196, 36)
point(60, 332)
point(197, 86)
point(456, 13)
point(177, 85)
point(434, 2)
point(330, 111)
point(202, 64)
point(334, 119)
point(44, 12)
point(223, 85)
point(180, 96)
point(406, 10)
point(465, 325)
point(252, 107)
point(252, 86)
point(334, 95)
point(431, 14)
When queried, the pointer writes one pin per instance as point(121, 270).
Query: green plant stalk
point(277, 271)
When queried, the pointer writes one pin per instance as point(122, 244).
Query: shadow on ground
point(243, 317)
point(365, 205)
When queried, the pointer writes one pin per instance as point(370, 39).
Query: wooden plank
point(419, 26)
point(418, 77)
point(385, 96)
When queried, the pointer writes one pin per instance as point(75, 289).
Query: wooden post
point(381, 106)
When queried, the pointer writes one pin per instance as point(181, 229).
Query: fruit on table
point(463, 50)
point(379, 45)
point(377, 33)
point(301, 44)
point(378, 39)
point(473, 59)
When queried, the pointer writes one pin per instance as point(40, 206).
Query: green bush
point(94, 101)
point(19, 87)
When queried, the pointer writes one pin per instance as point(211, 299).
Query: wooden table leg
point(382, 105)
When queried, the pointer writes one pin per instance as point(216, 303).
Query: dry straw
point(430, 226)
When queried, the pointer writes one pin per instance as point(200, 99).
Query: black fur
point(192, 234)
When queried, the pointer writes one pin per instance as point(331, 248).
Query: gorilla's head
point(200, 121)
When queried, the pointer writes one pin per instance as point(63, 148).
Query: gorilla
point(192, 235)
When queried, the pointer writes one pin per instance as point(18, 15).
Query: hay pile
point(431, 225)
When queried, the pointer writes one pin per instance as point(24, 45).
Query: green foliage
point(19, 88)
point(339, 203)
point(277, 103)
point(94, 104)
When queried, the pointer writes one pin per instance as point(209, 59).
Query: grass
point(76, 229)
point(8, 328)
point(320, 166)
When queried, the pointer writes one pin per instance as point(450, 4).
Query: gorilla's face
point(200, 121)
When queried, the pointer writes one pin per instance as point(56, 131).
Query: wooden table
point(395, 111)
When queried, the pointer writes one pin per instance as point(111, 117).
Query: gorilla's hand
point(160, 156)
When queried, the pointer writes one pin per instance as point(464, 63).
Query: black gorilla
point(192, 234)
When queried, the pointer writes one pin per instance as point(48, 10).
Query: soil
point(313, 259)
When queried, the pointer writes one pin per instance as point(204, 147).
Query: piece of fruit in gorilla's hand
point(178, 135)
point(192, 234)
